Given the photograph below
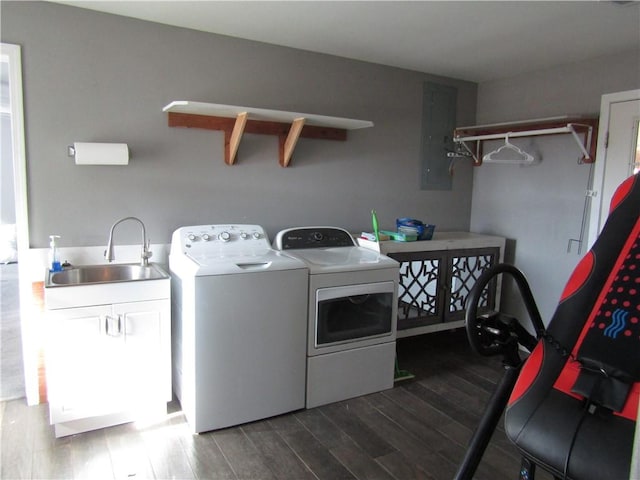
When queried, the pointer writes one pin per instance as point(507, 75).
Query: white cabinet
point(107, 364)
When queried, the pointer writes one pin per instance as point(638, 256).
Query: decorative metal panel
point(465, 272)
point(420, 299)
point(418, 288)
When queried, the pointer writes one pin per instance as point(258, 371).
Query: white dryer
point(352, 315)
point(239, 312)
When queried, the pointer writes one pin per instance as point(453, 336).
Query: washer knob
point(317, 236)
point(191, 237)
point(224, 236)
point(244, 235)
point(256, 235)
point(206, 237)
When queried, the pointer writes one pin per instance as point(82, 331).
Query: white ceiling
point(470, 40)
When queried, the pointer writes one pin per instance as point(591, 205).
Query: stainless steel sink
point(91, 274)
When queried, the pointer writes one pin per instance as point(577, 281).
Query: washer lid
point(203, 264)
point(342, 259)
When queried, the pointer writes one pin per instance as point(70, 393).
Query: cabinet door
point(147, 357)
point(464, 268)
point(80, 373)
point(421, 288)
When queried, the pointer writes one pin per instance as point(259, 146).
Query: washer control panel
point(220, 240)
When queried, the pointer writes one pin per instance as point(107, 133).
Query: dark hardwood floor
point(417, 430)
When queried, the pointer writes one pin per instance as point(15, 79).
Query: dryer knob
point(191, 237)
point(244, 235)
point(206, 237)
point(224, 236)
point(256, 235)
point(317, 236)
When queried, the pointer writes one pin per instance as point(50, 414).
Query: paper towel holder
point(86, 153)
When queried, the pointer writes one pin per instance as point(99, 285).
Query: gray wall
point(93, 77)
point(539, 208)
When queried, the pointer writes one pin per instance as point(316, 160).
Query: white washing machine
point(352, 315)
point(239, 312)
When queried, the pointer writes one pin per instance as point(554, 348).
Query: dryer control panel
point(220, 240)
point(313, 237)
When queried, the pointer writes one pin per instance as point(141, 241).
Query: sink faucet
point(146, 254)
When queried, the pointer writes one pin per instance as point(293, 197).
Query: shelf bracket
point(232, 138)
point(587, 140)
point(474, 155)
point(288, 143)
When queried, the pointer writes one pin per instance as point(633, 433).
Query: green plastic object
point(399, 375)
point(399, 236)
point(374, 222)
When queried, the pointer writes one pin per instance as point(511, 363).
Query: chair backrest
point(574, 406)
point(597, 320)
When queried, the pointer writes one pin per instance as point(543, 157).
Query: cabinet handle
point(108, 328)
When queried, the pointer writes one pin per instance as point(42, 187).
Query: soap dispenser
point(54, 259)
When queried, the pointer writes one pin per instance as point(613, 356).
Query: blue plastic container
point(412, 226)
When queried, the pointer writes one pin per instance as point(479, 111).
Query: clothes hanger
point(497, 156)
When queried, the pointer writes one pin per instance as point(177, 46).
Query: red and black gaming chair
point(571, 406)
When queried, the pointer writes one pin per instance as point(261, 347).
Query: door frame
point(11, 54)
point(596, 206)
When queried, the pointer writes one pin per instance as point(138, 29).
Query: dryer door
point(349, 314)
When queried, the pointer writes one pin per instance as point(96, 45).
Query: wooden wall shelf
point(587, 126)
point(236, 120)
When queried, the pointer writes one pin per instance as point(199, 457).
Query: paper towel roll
point(101, 153)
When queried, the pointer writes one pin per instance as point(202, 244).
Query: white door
point(618, 152)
